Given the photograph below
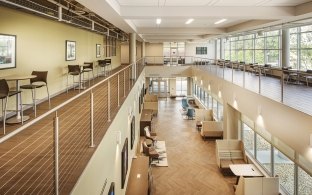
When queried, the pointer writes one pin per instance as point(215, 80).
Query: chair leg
point(33, 99)
point(67, 85)
point(4, 108)
point(35, 103)
point(21, 109)
point(48, 97)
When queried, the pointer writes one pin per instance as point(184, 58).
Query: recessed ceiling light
point(158, 21)
point(220, 21)
point(189, 21)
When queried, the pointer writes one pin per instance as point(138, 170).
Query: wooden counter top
point(138, 178)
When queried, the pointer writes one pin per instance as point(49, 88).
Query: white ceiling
point(139, 16)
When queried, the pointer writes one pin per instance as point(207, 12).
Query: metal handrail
point(18, 130)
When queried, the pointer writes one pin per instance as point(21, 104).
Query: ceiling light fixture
point(220, 21)
point(158, 21)
point(189, 21)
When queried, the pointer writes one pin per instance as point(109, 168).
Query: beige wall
point(285, 124)
point(124, 53)
point(106, 161)
point(41, 46)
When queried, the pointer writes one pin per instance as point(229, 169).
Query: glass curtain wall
point(206, 99)
point(261, 48)
point(301, 47)
point(275, 163)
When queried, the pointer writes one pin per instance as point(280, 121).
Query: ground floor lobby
point(192, 161)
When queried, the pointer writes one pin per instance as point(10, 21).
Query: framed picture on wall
point(70, 50)
point(132, 132)
point(7, 51)
point(124, 163)
point(98, 50)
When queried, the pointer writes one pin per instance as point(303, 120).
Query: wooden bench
point(230, 152)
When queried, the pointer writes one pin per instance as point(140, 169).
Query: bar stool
point(108, 62)
point(74, 71)
point(5, 93)
point(88, 68)
point(102, 66)
point(35, 83)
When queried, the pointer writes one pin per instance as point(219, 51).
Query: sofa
point(211, 129)
point(203, 115)
point(230, 152)
point(257, 186)
point(151, 102)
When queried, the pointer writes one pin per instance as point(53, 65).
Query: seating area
point(230, 152)
point(151, 103)
point(257, 186)
point(212, 129)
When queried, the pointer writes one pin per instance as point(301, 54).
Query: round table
point(17, 78)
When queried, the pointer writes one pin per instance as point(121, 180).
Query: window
point(304, 182)
point(264, 153)
point(285, 169)
point(248, 137)
point(201, 50)
point(181, 86)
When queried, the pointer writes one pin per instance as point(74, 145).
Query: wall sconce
point(118, 137)
point(209, 87)
point(234, 101)
point(259, 111)
point(219, 94)
point(201, 82)
point(195, 78)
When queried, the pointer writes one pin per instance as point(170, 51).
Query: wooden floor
point(27, 159)
point(192, 163)
point(295, 96)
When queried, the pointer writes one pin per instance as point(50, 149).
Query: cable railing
point(48, 154)
point(272, 82)
point(289, 87)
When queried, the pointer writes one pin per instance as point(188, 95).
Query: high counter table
point(17, 78)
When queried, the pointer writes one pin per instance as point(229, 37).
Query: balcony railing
point(48, 154)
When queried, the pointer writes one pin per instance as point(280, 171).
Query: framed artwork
point(111, 190)
point(70, 50)
point(98, 50)
point(124, 163)
point(7, 51)
point(132, 132)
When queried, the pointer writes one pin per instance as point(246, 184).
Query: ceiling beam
point(181, 31)
point(272, 13)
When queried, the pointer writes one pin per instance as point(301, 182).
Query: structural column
point(221, 48)
point(143, 49)
point(132, 53)
point(285, 48)
point(216, 48)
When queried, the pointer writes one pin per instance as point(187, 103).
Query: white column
point(216, 47)
point(143, 49)
point(132, 53)
point(221, 48)
point(285, 48)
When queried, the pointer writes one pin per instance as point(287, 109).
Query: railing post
point(282, 88)
point(56, 154)
point(91, 121)
point(118, 93)
point(244, 73)
point(232, 71)
point(108, 101)
point(124, 73)
point(223, 70)
point(129, 71)
point(259, 80)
